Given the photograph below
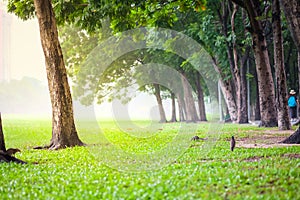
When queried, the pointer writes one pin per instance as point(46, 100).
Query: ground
point(269, 139)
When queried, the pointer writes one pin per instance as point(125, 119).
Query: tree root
point(54, 146)
point(293, 139)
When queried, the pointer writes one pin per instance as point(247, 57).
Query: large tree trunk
point(291, 10)
point(281, 95)
point(173, 117)
point(64, 133)
point(162, 113)
point(200, 98)
point(263, 67)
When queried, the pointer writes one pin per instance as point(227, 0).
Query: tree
point(64, 132)
point(291, 10)
point(159, 103)
point(281, 95)
point(263, 67)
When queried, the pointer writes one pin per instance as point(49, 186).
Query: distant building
point(5, 44)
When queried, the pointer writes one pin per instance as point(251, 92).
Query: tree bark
point(200, 98)
point(298, 62)
point(239, 74)
point(173, 117)
point(244, 92)
point(294, 138)
point(281, 95)
point(257, 106)
point(263, 67)
point(162, 113)
point(291, 10)
point(64, 132)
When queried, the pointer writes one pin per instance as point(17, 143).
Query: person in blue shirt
point(292, 104)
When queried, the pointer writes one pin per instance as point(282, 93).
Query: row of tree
point(235, 35)
point(225, 30)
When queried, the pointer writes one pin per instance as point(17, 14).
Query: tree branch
point(239, 2)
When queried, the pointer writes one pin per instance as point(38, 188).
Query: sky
point(26, 51)
point(27, 60)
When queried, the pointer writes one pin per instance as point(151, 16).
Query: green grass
point(83, 173)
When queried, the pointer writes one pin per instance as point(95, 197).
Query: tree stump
point(293, 139)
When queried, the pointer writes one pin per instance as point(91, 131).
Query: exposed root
point(57, 146)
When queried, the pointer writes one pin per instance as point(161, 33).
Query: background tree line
point(228, 32)
point(235, 33)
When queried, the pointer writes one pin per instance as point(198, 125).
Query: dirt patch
point(258, 158)
point(265, 139)
point(294, 155)
point(254, 159)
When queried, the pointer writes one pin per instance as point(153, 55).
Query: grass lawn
point(195, 171)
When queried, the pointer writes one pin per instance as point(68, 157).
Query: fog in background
point(25, 92)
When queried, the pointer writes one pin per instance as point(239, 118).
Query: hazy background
point(25, 91)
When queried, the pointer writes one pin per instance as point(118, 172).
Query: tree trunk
point(298, 74)
point(263, 67)
point(257, 106)
point(159, 103)
point(236, 71)
point(64, 132)
point(291, 10)
point(226, 88)
point(191, 112)
point(281, 95)
point(294, 138)
point(200, 98)
point(239, 73)
point(2, 142)
point(173, 117)
point(181, 109)
point(244, 92)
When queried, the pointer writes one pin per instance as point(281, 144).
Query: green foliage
point(24, 9)
point(74, 173)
